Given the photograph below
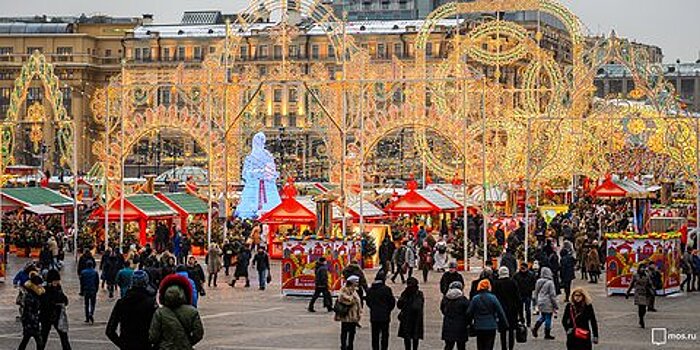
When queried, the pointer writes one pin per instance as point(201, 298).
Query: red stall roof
point(422, 202)
point(290, 211)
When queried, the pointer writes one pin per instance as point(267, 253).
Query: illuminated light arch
point(37, 67)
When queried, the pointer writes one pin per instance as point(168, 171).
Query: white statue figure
point(260, 175)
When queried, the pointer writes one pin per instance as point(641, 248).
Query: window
point(398, 50)
point(198, 53)
point(137, 54)
point(293, 95)
point(292, 120)
point(180, 53)
point(263, 70)
point(278, 120)
point(4, 101)
point(67, 99)
point(164, 96)
point(277, 52)
point(314, 52)
point(34, 94)
point(428, 49)
point(6, 54)
point(262, 51)
point(212, 49)
point(244, 52)
point(277, 95)
point(30, 50)
point(146, 54)
point(294, 51)
point(331, 51)
point(64, 51)
point(108, 53)
point(381, 50)
point(403, 4)
point(165, 55)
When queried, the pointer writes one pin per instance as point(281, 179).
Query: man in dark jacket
point(506, 290)
point(386, 251)
point(261, 262)
point(381, 302)
point(526, 279)
point(567, 272)
point(89, 284)
point(84, 258)
point(450, 276)
point(321, 286)
point(52, 303)
point(508, 260)
point(486, 274)
point(228, 255)
point(133, 314)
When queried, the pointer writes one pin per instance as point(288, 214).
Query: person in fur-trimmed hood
point(176, 325)
point(31, 322)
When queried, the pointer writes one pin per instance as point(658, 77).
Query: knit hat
point(484, 285)
point(139, 279)
point(503, 272)
point(52, 275)
point(456, 285)
point(354, 279)
point(452, 265)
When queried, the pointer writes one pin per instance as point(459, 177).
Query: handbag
point(62, 324)
point(269, 277)
point(520, 333)
point(579, 333)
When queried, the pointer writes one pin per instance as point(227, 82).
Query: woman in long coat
point(214, 263)
point(580, 314)
point(641, 283)
point(411, 304)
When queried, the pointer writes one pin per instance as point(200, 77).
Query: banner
point(624, 256)
point(548, 212)
point(299, 261)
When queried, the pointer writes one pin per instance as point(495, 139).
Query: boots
point(548, 334)
point(536, 327)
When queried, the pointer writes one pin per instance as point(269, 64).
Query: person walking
point(508, 260)
point(132, 314)
point(229, 253)
point(84, 258)
point(656, 284)
point(18, 282)
point(182, 270)
point(525, 279)
point(454, 306)
point(123, 279)
point(579, 321)
point(261, 262)
point(242, 266)
point(399, 259)
point(386, 250)
point(31, 322)
point(196, 273)
point(214, 263)
point(451, 275)
point(546, 299)
point(114, 262)
point(567, 272)
point(350, 313)
point(411, 303)
point(425, 260)
point(410, 260)
point(354, 269)
point(53, 310)
point(321, 286)
point(89, 284)
point(508, 295)
point(176, 325)
point(380, 301)
point(593, 263)
point(641, 283)
point(486, 274)
point(687, 268)
point(487, 315)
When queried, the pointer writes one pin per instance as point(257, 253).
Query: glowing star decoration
point(259, 176)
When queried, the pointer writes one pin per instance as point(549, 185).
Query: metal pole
point(483, 168)
point(122, 188)
point(104, 170)
point(697, 183)
point(225, 193)
point(343, 134)
point(75, 190)
point(465, 226)
point(209, 150)
point(527, 187)
point(362, 163)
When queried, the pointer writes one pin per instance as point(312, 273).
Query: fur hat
point(503, 272)
point(175, 279)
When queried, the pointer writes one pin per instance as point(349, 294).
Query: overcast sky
point(674, 25)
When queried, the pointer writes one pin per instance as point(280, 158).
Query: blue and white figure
point(260, 175)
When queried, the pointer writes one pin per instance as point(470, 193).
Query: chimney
point(147, 19)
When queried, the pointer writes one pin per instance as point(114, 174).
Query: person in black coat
point(454, 306)
point(580, 314)
point(506, 290)
point(229, 252)
point(242, 263)
point(380, 300)
point(526, 280)
point(52, 303)
point(89, 284)
point(486, 274)
point(84, 258)
point(411, 303)
point(508, 260)
point(321, 286)
point(567, 272)
point(132, 314)
point(451, 275)
point(386, 251)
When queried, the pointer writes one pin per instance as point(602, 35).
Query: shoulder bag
point(579, 333)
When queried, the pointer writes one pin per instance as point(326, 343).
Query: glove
point(595, 340)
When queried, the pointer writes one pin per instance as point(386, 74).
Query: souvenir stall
point(613, 187)
point(189, 207)
point(37, 200)
point(430, 206)
point(626, 250)
point(140, 208)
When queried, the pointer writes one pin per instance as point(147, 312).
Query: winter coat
point(261, 262)
point(545, 292)
point(447, 279)
point(509, 261)
point(193, 286)
point(52, 301)
point(31, 323)
point(386, 249)
point(123, 280)
point(454, 306)
point(643, 290)
point(593, 261)
point(348, 297)
point(321, 276)
point(486, 312)
point(425, 258)
point(89, 282)
point(214, 262)
point(506, 290)
point(176, 325)
point(355, 270)
point(228, 252)
point(526, 283)
point(380, 301)
point(82, 262)
point(242, 263)
point(411, 315)
point(111, 266)
point(568, 267)
point(410, 259)
point(585, 319)
point(133, 315)
point(400, 256)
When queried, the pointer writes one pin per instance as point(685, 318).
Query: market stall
point(139, 208)
point(626, 250)
point(188, 206)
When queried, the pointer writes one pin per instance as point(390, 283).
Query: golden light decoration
point(35, 116)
